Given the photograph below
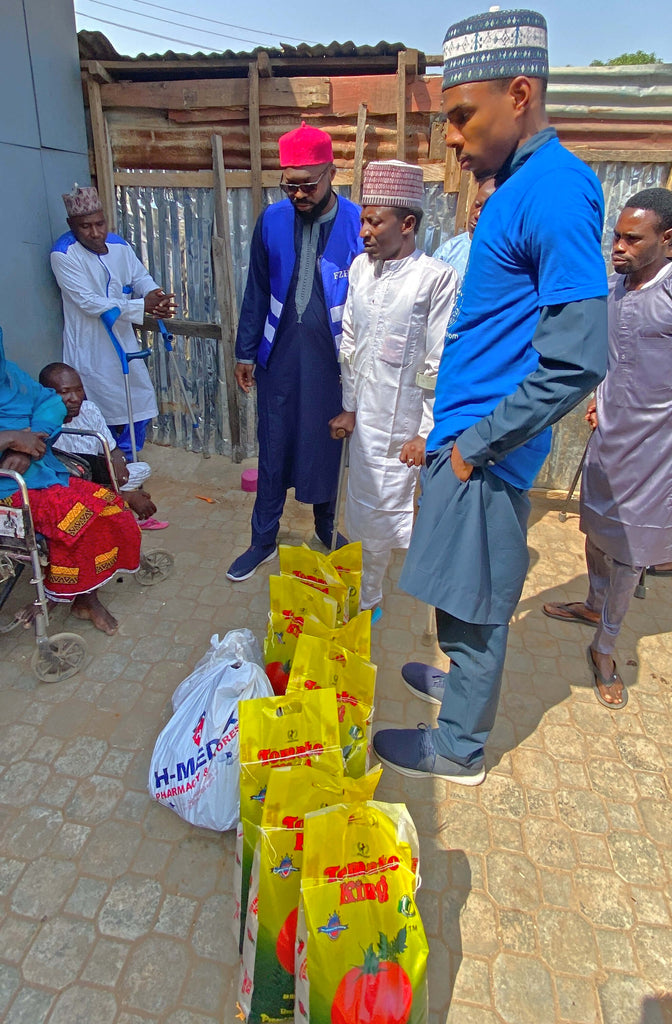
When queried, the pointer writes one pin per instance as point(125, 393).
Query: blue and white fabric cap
point(499, 44)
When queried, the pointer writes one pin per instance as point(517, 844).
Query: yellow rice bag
point(347, 561)
point(315, 570)
point(320, 664)
point(361, 950)
point(266, 989)
point(277, 731)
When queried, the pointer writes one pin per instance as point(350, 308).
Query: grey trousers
point(612, 585)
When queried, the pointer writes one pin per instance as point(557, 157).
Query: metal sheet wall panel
point(170, 230)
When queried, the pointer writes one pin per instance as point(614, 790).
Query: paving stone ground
point(546, 891)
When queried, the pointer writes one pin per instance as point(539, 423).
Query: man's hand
point(159, 304)
point(141, 503)
point(244, 374)
point(342, 425)
point(413, 452)
point(29, 443)
point(120, 467)
point(461, 469)
point(591, 413)
point(16, 461)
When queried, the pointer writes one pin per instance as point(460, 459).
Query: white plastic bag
point(237, 645)
point(195, 765)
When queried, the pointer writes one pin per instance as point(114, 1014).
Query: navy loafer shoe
point(424, 681)
point(247, 564)
point(411, 752)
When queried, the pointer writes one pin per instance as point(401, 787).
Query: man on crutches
point(96, 272)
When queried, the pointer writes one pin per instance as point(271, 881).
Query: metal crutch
point(109, 318)
point(168, 346)
point(562, 514)
point(341, 480)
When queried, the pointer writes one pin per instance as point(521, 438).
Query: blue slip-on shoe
point(247, 564)
point(424, 681)
point(323, 532)
point(411, 752)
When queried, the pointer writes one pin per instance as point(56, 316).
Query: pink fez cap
point(305, 147)
point(392, 183)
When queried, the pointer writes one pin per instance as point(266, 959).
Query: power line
point(142, 31)
point(179, 24)
point(215, 21)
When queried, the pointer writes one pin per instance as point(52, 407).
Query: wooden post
point(102, 152)
point(468, 188)
point(401, 106)
point(407, 67)
point(451, 178)
point(255, 139)
point(356, 190)
point(222, 258)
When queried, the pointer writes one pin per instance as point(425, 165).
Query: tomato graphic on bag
point(378, 992)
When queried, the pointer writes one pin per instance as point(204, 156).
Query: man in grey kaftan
point(626, 494)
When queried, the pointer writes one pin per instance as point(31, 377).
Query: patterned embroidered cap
point(392, 183)
point(82, 200)
point(499, 44)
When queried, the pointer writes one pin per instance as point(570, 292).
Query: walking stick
point(562, 514)
point(109, 318)
point(168, 346)
point(341, 479)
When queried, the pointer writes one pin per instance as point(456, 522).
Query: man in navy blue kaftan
point(288, 340)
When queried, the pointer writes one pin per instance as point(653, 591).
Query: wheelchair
point(62, 655)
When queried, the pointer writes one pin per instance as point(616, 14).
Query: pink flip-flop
point(153, 524)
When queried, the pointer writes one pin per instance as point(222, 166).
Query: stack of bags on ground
point(325, 876)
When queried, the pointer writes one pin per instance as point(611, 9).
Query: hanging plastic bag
point(194, 769)
point(266, 990)
point(279, 731)
point(320, 664)
point(361, 950)
point(284, 631)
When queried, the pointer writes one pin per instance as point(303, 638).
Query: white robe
point(394, 328)
point(90, 285)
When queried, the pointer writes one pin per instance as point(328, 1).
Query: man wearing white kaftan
point(626, 492)
point(398, 305)
point(97, 271)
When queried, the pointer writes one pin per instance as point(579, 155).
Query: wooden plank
point(379, 92)
point(297, 93)
point(462, 202)
point(356, 193)
point(594, 154)
point(185, 328)
point(401, 106)
point(103, 154)
point(255, 139)
point(97, 71)
point(264, 65)
point(222, 259)
point(238, 179)
point(452, 173)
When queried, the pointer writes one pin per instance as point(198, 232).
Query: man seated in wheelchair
point(90, 532)
point(85, 415)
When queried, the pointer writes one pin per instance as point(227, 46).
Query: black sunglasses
point(307, 187)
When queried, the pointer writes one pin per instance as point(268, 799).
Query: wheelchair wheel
point(155, 567)
point(62, 657)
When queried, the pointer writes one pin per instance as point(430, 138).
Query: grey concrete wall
point(43, 150)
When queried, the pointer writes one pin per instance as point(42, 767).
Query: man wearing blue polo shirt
point(526, 342)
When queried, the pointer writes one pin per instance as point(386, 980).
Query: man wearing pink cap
point(289, 338)
point(394, 326)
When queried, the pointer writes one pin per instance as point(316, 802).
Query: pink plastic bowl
point(248, 480)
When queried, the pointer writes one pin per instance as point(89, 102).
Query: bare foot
point(87, 606)
point(606, 666)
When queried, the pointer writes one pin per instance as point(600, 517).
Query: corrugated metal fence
point(171, 228)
